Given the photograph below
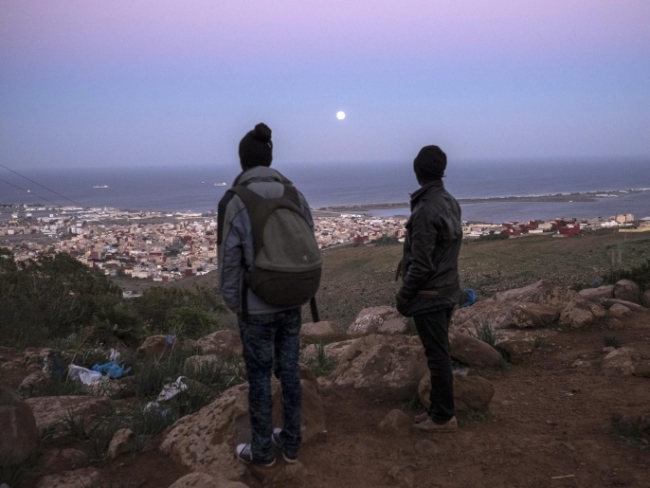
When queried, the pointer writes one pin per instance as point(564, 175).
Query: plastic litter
point(85, 375)
point(470, 298)
point(169, 391)
point(114, 355)
point(113, 369)
point(169, 339)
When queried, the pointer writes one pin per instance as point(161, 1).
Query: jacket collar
point(260, 173)
point(433, 185)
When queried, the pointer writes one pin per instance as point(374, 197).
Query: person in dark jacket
point(430, 284)
point(268, 333)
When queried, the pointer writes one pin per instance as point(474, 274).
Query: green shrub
point(639, 274)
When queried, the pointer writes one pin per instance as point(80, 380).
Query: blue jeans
point(433, 329)
point(273, 340)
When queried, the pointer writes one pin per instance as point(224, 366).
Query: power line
point(30, 192)
point(44, 187)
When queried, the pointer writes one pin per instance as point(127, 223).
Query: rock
point(635, 307)
point(335, 350)
point(597, 294)
point(196, 363)
point(537, 305)
point(203, 480)
point(384, 367)
point(319, 330)
point(627, 290)
point(62, 460)
point(158, 345)
point(121, 442)
point(206, 440)
point(579, 313)
point(473, 352)
point(393, 326)
point(50, 412)
point(584, 366)
point(36, 356)
point(402, 476)
point(645, 299)
point(395, 422)
point(619, 311)
point(619, 362)
point(20, 437)
point(195, 480)
point(114, 389)
point(470, 392)
point(614, 324)
point(222, 343)
point(79, 478)
point(371, 319)
point(517, 350)
point(33, 383)
point(533, 315)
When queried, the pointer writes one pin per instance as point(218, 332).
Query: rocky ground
point(569, 407)
point(572, 411)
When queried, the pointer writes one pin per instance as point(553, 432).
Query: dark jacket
point(429, 267)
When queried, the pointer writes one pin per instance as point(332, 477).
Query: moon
point(340, 115)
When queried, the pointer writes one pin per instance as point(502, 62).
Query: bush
point(639, 274)
point(52, 297)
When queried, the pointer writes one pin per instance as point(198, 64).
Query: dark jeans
point(268, 340)
point(433, 330)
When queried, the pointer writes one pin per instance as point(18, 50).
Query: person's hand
point(400, 298)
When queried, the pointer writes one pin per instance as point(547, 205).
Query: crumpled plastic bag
point(85, 375)
point(114, 355)
point(113, 369)
point(169, 391)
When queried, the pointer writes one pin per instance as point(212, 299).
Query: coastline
point(583, 197)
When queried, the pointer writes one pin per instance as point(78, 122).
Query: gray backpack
point(288, 264)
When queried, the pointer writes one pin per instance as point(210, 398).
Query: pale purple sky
point(156, 82)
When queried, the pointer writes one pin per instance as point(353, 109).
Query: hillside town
point(166, 247)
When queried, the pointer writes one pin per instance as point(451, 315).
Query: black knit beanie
point(256, 148)
point(430, 164)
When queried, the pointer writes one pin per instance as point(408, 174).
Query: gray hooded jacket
point(235, 241)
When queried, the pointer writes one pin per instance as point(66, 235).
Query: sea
point(196, 188)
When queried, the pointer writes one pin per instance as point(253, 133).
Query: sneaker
point(276, 440)
point(429, 426)
point(245, 455)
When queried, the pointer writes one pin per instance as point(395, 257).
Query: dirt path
point(549, 425)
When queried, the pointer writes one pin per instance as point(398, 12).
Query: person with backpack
point(269, 265)
point(430, 282)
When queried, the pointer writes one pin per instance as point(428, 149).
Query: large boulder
point(203, 480)
point(34, 383)
point(619, 311)
point(473, 352)
point(627, 290)
point(470, 392)
point(20, 437)
point(79, 478)
point(51, 412)
point(370, 320)
point(335, 350)
point(597, 294)
point(223, 343)
point(387, 367)
point(540, 304)
point(205, 441)
point(319, 330)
